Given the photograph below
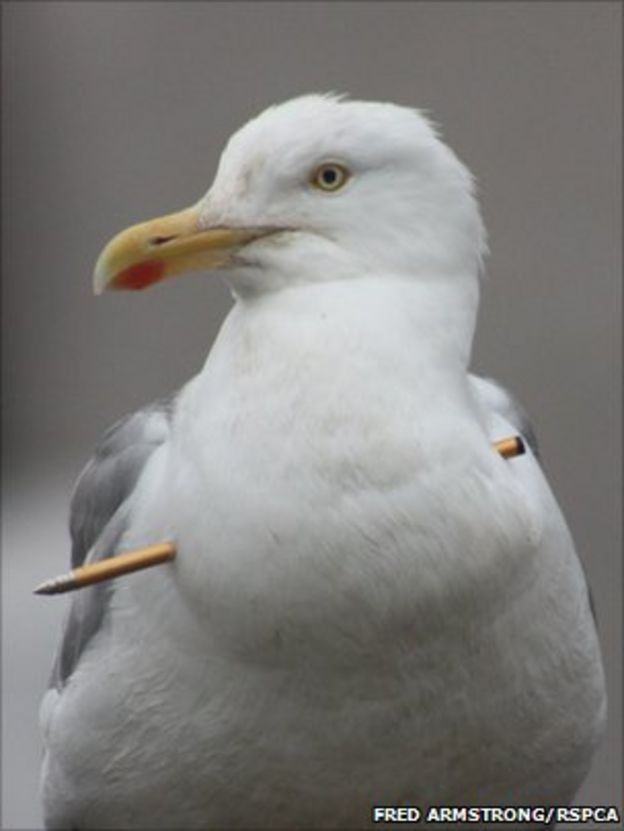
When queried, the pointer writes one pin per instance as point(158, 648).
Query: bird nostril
point(161, 240)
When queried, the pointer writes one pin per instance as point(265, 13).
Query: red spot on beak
point(139, 276)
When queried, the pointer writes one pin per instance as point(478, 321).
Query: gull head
point(319, 188)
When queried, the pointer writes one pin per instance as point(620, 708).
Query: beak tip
point(99, 284)
point(101, 274)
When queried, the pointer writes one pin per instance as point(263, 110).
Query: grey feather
point(110, 476)
point(99, 516)
point(88, 607)
point(503, 402)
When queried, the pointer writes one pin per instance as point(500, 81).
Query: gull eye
point(330, 176)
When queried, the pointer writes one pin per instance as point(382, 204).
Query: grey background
point(113, 113)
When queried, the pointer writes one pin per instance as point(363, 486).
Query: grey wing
point(499, 400)
point(99, 516)
point(110, 476)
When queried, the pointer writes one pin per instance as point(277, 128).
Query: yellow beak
point(152, 251)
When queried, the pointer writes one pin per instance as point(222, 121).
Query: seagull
point(368, 606)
